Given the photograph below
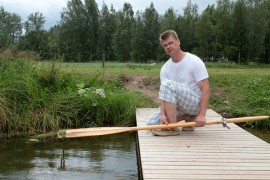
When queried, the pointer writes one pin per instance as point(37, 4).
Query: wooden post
point(1, 64)
point(103, 60)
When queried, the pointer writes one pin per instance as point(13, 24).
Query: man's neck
point(179, 56)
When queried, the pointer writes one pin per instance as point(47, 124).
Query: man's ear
point(178, 40)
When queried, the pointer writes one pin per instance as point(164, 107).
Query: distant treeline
point(236, 31)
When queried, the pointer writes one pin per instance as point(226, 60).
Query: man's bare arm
point(205, 96)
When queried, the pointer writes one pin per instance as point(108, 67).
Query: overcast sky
point(51, 8)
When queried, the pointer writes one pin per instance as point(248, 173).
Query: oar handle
point(83, 132)
point(208, 122)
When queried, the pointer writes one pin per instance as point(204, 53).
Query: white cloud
point(160, 5)
point(51, 8)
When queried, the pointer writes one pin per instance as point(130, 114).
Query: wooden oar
point(84, 132)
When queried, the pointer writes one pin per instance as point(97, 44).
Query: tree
point(14, 28)
point(92, 27)
point(151, 32)
point(106, 30)
point(35, 38)
point(53, 42)
point(240, 30)
point(204, 32)
point(266, 43)
point(73, 36)
point(169, 20)
point(123, 36)
point(236, 30)
point(256, 15)
point(223, 46)
point(137, 42)
point(10, 28)
point(187, 26)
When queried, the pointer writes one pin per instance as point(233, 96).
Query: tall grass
point(34, 99)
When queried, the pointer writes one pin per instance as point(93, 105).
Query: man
point(184, 90)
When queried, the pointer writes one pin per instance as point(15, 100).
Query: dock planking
point(211, 152)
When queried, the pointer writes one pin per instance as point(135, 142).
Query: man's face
point(171, 45)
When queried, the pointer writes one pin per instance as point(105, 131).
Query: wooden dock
point(211, 152)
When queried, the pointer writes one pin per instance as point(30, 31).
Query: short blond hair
point(163, 36)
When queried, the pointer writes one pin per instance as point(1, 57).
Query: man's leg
point(178, 99)
point(170, 109)
point(186, 101)
point(187, 118)
point(154, 119)
point(183, 117)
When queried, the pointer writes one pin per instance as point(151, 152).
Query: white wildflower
point(81, 91)
point(100, 92)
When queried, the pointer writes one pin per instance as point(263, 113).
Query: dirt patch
point(148, 86)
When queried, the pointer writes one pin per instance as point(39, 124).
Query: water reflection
point(102, 157)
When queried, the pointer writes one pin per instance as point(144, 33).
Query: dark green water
point(263, 134)
point(102, 157)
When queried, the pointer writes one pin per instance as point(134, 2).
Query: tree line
point(237, 31)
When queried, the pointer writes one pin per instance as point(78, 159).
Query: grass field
point(235, 90)
point(46, 96)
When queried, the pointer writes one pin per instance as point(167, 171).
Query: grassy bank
point(42, 97)
point(236, 90)
point(241, 92)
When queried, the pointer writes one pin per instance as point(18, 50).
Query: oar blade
point(86, 132)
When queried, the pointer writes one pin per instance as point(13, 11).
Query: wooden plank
point(197, 176)
point(211, 152)
point(217, 172)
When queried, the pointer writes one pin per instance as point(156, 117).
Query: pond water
point(101, 157)
point(263, 134)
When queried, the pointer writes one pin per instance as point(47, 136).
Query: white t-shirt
point(190, 70)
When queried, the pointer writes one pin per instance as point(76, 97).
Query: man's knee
point(149, 123)
point(165, 84)
point(154, 119)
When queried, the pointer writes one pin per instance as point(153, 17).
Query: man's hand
point(200, 121)
point(164, 120)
